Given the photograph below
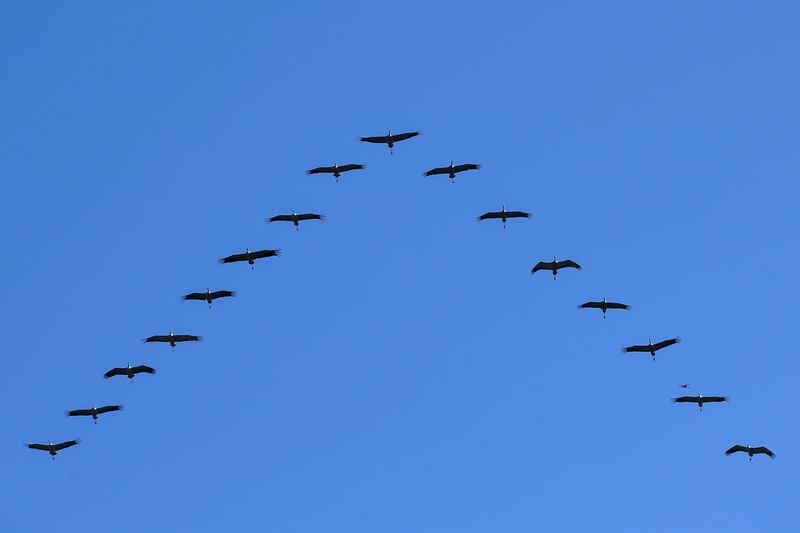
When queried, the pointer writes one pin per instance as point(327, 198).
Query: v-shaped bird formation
point(295, 218)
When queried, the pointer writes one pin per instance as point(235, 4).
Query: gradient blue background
point(398, 369)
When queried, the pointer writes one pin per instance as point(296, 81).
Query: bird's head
point(650, 342)
point(49, 442)
point(451, 164)
point(129, 366)
point(554, 259)
point(208, 289)
point(170, 333)
point(247, 250)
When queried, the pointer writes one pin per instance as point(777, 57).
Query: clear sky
point(397, 369)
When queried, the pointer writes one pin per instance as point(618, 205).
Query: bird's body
point(504, 215)
point(209, 296)
point(604, 306)
point(129, 371)
point(650, 347)
point(684, 385)
point(295, 218)
point(53, 449)
point(700, 399)
point(249, 256)
point(336, 170)
point(751, 451)
point(94, 412)
point(452, 170)
point(390, 139)
point(173, 339)
point(555, 266)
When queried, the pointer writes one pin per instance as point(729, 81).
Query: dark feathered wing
point(568, 263)
point(281, 218)
point(715, 399)
point(66, 444)
point(517, 214)
point(139, 369)
point(310, 216)
point(636, 348)
point(490, 215)
point(591, 305)
point(466, 166)
point(157, 338)
point(222, 294)
point(382, 140)
point(320, 170)
point(542, 265)
point(80, 412)
point(233, 258)
point(404, 136)
point(615, 305)
point(686, 399)
point(187, 338)
point(351, 166)
point(195, 296)
point(43, 447)
point(437, 171)
point(736, 448)
point(108, 409)
point(664, 344)
point(764, 450)
point(265, 253)
point(116, 372)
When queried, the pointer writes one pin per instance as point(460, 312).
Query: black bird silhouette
point(700, 399)
point(129, 371)
point(504, 215)
point(336, 170)
point(94, 412)
point(249, 256)
point(555, 266)
point(684, 385)
point(53, 449)
point(390, 139)
point(604, 306)
point(209, 296)
point(173, 339)
point(452, 170)
point(750, 451)
point(295, 218)
point(650, 347)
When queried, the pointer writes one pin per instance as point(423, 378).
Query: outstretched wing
point(139, 369)
point(80, 412)
point(157, 338)
point(568, 263)
point(636, 348)
point(713, 399)
point(43, 447)
point(664, 344)
point(116, 372)
point(764, 450)
point(195, 296)
point(686, 399)
point(280, 218)
point(187, 338)
point(321, 170)
point(466, 166)
point(265, 253)
point(310, 216)
point(222, 294)
point(382, 140)
point(615, 305)
point(517, 214)
point(351, 166)
point(404, 136)
point(734, 449)
point(65, 444)
point(438, 170)
point(108, 409)
point(591, 305)
point(490, 215)
point(542, 265)
point(233, 258)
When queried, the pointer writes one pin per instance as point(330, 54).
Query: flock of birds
point(295, 218)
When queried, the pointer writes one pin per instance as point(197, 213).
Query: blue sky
point(398, 369)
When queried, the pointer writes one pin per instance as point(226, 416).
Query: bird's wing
point(517, 214)
point(233, 258)
point(157, 338)
point(438, 170)
point(636, 348)
point(664, 344)
point(734, 449)
point(115, 372)
point(591, 305)
point(466, 166)
point(280, 218)
point(139, 369)
point(490, 214)
point(43, 447)
point(383, 139)
point(351, 166)
point(265, 253)
point(310, 216)
point(404, 136)
point(542, 265)
point(320, 170)
point(80, 412)
point(222, 294)
point(615, 305)
point(108, 409)
point(195, 296)
point(712, 399)
point(685, 399)
point(186, 338)
point(66, 444)
point(568, 263)
point(765, 450)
